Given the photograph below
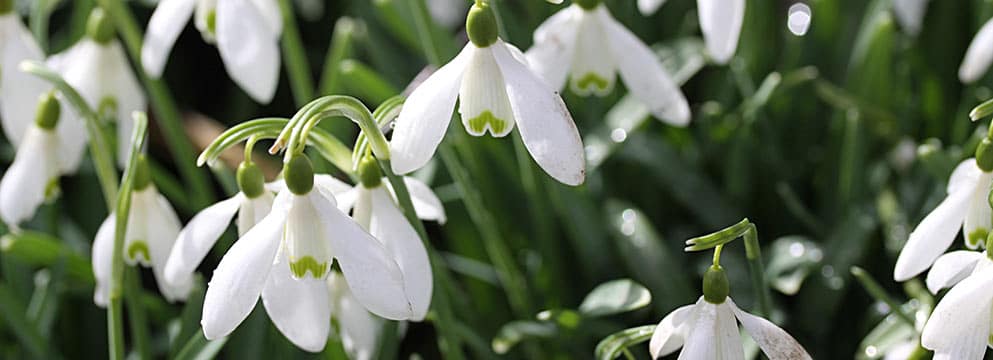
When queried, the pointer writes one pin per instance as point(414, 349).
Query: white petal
point(339, 190)
point(546, 126)
point(26, 181)
point(775, 343)
point(901, 351)
point(347, 199)
point(252, 211)
point(103, 253)
point(19, 91)
point(163, 229)
point(390, 227)
point(269, 9)
point(359, 328)
point(729, 345)
point(932, 236)
point(299, 308)
point(373, 275)
point(643, 74)
point(165, 25)
point(960, 325)
point(241, 275)
point(951, 268)
point(704, 340)
point(648, 7)
point(554, 44)
point(306, 249)
point(979, 218)
point(250, 51)
point(425, 116)
point(483, 102)
point(427, 205)
point(137, 248)
point(72, 137)
point(979, 56)
point(593, 69)
point(910, 14)
point(965, 176)
point(671, 332)
point(720, 21)
point(198, 237)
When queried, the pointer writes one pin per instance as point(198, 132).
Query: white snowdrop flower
point(965, 208)
point(584, 46)
point(251, 204)
point(979, 55)
point(959, 326)
point(720, 22)
point(910, 14)
point(285, 259)
point(357, 327)
point(448, 13)
point(496, 91)
point(151, 232)
point(98, 69)
point(246, 32)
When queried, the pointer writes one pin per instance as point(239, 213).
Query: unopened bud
point(47, 115)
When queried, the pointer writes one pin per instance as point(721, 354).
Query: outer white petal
point(342, 192)
point(103, 252)
point(250, 52)
point(728, 339)
point(347, 199)
point(671, 332)
point(701, 342)
point(390, 227)
point(198, 237)
point(648, 7)
point(932, 236)
point(241, 275)
point(775, 343)
point(359, 328)
point(593, 69)
point(19, 91)
point(720, 21)
point(72, 137)
point(483, 102)
point(951, 268)
point(163, 228)
point(427, 205)
point(960, 325)
point(965, 176)
point(554, 45)
point(643, 74)
point(23, 187)
point(299, 308)
point(372, 274)
point(979, 218)
point(252, 211)
point(425, 116)
point(910, 14)
point(269, 9)
point(167, 22)
point(546, 126)
point(979, 55)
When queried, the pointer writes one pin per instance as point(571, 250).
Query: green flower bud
point(6, 6)
point(99, 28)
point(47, 115)
point(250, 180)
point(299, 175)
point(984, 155)
point(481, 25)
point(715, 285)
point(369, 173)
point(587, 4)
point(142, 174)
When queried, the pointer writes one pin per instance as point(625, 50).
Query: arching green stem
point(753, 252)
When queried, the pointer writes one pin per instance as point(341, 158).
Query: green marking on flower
point(300, 267)
point(107, 107)
point(52, 190)
point(977, 237)
point(138, 247)
point(591, 81)
point(478, 124)
point(212, 21)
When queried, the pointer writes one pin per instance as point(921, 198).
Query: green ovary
point(977, 237)
point(479, 124)
point(138, 247)
point(590, 81)
point(300, 267)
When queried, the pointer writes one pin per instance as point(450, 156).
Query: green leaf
point(891, 332)
point(791, 260)
point(614, 345)
point(199, 348)
point(516, 331)
point(983, 110)
point(40, 249)
point(615, 297)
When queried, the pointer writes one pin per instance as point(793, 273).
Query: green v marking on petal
point(136, 248)
point(300, 267)
point(977, 237)
point(479, 124)
point(591, 80)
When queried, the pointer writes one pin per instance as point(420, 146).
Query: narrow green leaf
point(13, 312)
point(983, 110)
point(791, 260)
point(199, 348)
point(614, 345)
point(39, 249)
point(615, 297)
point(516, 331)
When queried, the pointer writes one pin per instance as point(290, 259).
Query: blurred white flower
point(151, 231)
point(959, 327)
point(246, 32)
point(709, 331)
point(910, 14)
point(648, 7)
point(979, 55)
point(720, 22)
point(965, 208)
point(358, 329)
point(588, 47)
point(448, 13)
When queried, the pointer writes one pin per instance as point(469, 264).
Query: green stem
point(40, 10)
point(297, 65)
point(339, 49)
point(877, 292)
point(756, 268)
point(136, 313)
point(544, 229)
point(169, 119)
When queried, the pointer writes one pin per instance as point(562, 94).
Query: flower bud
point(984, 155)
point(369, 173)
point(587, 4)
point(47, 115)
point(98, 27)
point(299, 175)
point(142, 174)
point(250, 180)
point(481, 25)
point(715, 285)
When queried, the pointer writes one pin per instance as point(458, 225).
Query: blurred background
point(835, 143)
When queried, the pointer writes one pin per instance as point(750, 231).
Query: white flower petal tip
point(979, 56)
point(198, 237)
point(671, 332)
point(31, 177)
point(933, 235)
point(774, 341)
point(300, 309)
point(250, 52)
point(648, 7)
point(951, 268)
point(959, 326)
point(910, 14)
point(721, 21)
point(389, 226)
point(164, 27)
point(19, 91)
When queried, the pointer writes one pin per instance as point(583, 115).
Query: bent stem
point(753, 252)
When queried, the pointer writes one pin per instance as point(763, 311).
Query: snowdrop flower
point(151, 231)
point(497, 91)
point(959, 327)
point(98, 68)
point(585, 46)
point(357, 327)
point(285, 259)
point(251, 204)
point(720, 21)
point(910, 14)
point(33, 176)
point(979, 55)
point(708, 330)
point(246, 33)
point(965, 208)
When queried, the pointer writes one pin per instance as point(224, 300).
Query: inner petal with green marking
point(591, 83)
point(977, 238)
point(487, 120)
point(483, 101)
point(306, 264)
point(138, 248)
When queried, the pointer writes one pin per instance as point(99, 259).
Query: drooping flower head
point(496, 91)
point(959, 326)
point(720, 22)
